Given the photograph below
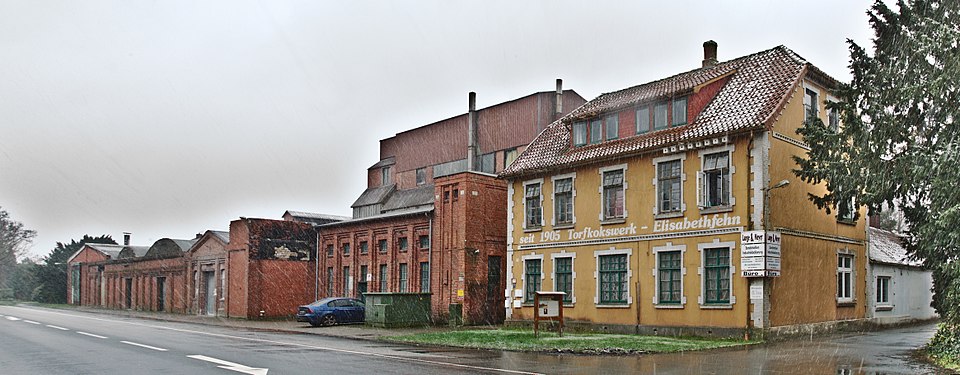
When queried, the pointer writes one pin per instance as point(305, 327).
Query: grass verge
point(587, 343)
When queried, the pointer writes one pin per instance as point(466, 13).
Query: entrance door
point(210, 289)
point(494, 306)
point(161, 295)
point(361, 289)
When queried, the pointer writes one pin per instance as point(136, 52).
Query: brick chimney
point(709, 53)
point(472, 141)
point(126, 238)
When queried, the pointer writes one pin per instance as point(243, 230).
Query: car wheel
point(328, 320)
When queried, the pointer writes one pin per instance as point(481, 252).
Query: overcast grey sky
point(167, 118)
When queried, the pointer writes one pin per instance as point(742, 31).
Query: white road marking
point(231, 366)
point(60, 328)
point(12, 318)
point(31, 322)
point(144, 346)
point(346, 351)
point(91, 335)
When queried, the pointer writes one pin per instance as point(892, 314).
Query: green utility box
point(397, 309)
point(456, 315)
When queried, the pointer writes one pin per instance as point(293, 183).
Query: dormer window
point(660, 116)
point(579, 133)
point(679, 112)
point(613, 126)
point(596, 131)
point(385, 175)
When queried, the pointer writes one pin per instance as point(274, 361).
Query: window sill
point(718, 306)
point(715, 209)
point(613, 221)
point(564, 226)
point(668, 306)
point(622, 306)
point(668, 215)
point(846, 221)
point(528, 230)
point(884, 308)
point(846, 304)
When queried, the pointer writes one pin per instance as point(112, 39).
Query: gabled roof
point(408, 198)
point(887, 247)
point(313, 218)
point(224, 236)
point(109, 250)
point(374, 195)
point(752, 98)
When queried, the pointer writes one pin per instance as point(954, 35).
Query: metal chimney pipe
point(559, 108)
point(472, 142)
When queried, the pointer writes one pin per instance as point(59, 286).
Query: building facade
point(899, 289)
point(432, 222)
point(671, 207)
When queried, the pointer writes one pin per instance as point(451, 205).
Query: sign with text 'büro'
point(760, 253)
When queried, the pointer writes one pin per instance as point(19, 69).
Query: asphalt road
point(47, 341)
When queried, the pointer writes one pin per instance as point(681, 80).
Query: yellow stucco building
point(671, 207)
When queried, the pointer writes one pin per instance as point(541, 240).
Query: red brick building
point(432, 218)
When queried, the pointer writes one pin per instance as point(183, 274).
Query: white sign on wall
point(760, 253)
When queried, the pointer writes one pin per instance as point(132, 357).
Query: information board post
point(548, 306)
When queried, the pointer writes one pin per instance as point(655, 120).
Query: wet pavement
point(881, 352)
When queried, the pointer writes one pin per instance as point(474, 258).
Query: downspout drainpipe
point(746, 332)
point(316, 269)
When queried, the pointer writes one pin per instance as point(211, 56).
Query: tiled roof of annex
point(752, 98)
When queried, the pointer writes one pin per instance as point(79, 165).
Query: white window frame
point(701, 247)
point(853, 276)
point(831, 99)
point(523, 198)
point(701, 189)
point(596, 275)
point(573, 273)
point(656, 185)
point(601, 171)
point(819, 98)
point(888, 302)
point(553, 195)
point(523, 274)
point(656, 275)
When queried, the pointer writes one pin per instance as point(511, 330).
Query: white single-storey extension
point(900, 289)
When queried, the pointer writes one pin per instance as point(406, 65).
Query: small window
point(717, 280)
point(346, 249)
point(424, 277)
point(424, 242)
point(613, 279)
point(810, 103)
point(385, 176)
point(363, 247)
point(330, 277)
point(509, 156)
point(402, 244)
point(847, 211)
point(680, 111)
point(346, 282)
point(715, 180)
point(844, 278)
point(669, 277)
point(383, 278)
point(883, 290)
point(643, 120)
point(834, 119)
point(421, 176)
point(532, 275)
point(613, 194)
point(660, 116)
point(564, 277)
point(533, 210)
point(579, 133)
point(596, 131)
point(613, 126)
point(668, 186)
point(403, 277)
point(382, 246)
point(563, 201)
point(488, 163)
point(329, 251)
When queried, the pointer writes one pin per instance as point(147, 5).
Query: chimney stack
point(709, 53)
point(559, 109)
point(126, 238)
point(472, 142)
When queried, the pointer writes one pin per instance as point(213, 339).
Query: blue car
point(332, 310)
